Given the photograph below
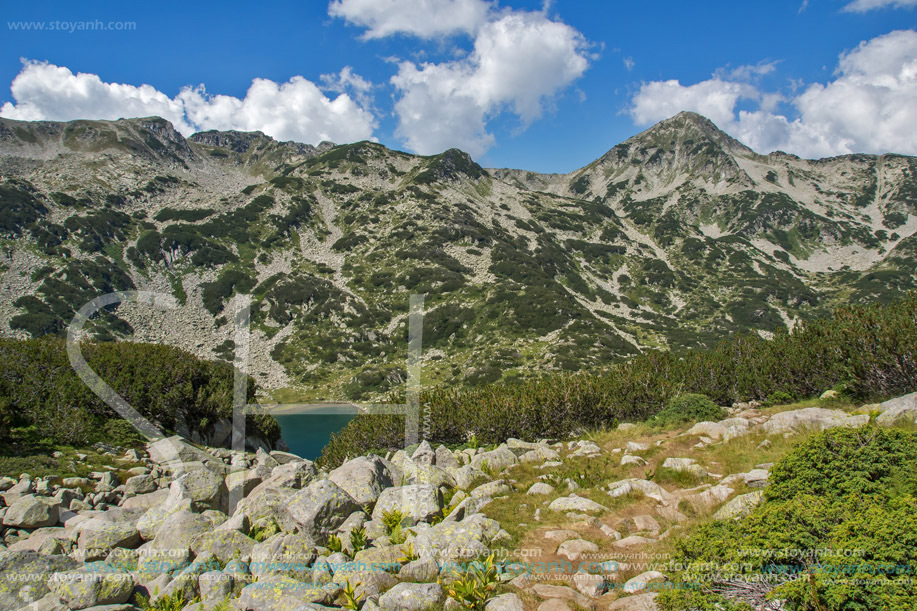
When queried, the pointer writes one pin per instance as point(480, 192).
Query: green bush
point(846, 499)
point(169, 387)
point(779, 397)
point(230, 281)
point(6, 417)
point(122, 433)
point(189, 216)
point(689, 408)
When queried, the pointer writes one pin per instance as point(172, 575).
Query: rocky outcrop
point(302, 535)
point(901, 409)
point(812, 418)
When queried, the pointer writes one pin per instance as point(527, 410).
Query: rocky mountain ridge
point(675, 238)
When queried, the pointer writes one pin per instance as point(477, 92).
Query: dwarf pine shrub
point(841, 509)
point(169, 387)
point(871, 349)
point(689, 407)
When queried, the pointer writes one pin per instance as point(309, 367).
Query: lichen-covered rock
point(643, 581)
point(645, 487)
point(184, 585)
point(547, 591)
point(147, 501)
point(49, 602)
point(685, 465)
point(363, 478)
point(81, 589)
point(427, 474)
point(173, 450)
point(637, 602)
point(241, 483)
point(24, 576)
point(177, 500)
point(585, 448)
point(445, 459)
point(178, 530)
point(381, 557)
point(105, 534)
point(367, 582)
point(424, 454)
point(576, 503)
point(412, 597)
point(223, 544)
point(712, 430)
point(898, 409)
point(491, 489)
point(756, 478)
point(215, 586)
point(140, 484)
point(495, 460)
point(317, 510)
point(554, 604)
point(205, 487)
point(707, 499)
point(633, 459)
point(283, 554)
point(31, 512)
point(645, 523)
point(811, 418)
point(279, 593)
point(295, 475)
point(632, 541)
point(467, 507)
point(48, 541)
point(574, 548)
point(589, 584)
point(504, 602)
point(422, 570)
point(466, 477)
point(267, 503)
point(456, 541)
point(419, 502)
point(740, 506)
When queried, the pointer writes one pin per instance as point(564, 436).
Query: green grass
point(31, 453)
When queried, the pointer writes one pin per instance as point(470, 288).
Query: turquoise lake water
point(308, 433)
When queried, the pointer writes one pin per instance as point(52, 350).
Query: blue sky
point(545, 87)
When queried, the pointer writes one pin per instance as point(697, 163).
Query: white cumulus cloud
point(422, 18)
point(45, 91)
point(520, 61)
point(869, 107)
point(863, 6)
point(715, 99)
point(295, 110)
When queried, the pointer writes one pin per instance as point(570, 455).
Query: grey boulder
point(412, 597)
point(363, 478)
point(31, 512)
point(419, 502)
point(317, 510)
point(82, 589)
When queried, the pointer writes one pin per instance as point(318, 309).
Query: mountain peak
point(690, 126)
point(451, 165)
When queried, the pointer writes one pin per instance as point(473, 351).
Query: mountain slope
point(677, 237)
